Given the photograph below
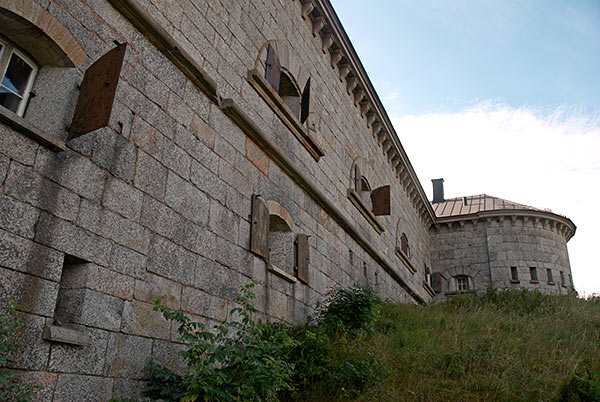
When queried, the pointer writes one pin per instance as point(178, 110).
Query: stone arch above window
point(33, 28)
point(403, 246)
point(274, 237)
point(281, 80)
point(371, 203)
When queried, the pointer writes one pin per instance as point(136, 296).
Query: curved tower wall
point(485, 250)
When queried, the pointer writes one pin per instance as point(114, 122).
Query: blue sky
point(496, 97)
point(441, 56)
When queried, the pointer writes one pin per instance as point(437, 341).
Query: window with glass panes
point(18, 73)
point(462, 283)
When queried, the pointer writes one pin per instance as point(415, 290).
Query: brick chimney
point(438, 190)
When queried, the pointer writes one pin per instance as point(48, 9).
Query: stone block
point(128, 262)
point(139, 318)
point(147, 137)
point(127, 356)
point(71, 387)
point(72, 171)
point(43, 379)
point(16, 146)
point(222, 221)
point(31, 352)
point(201, 303)
point(123, 199)
point(168, 354)
point(16, 217)
point(127, 389)
point(36, 295)
point(107, 224)
point(186, 199)
point(87, 359)
point(150, 176)
point(90, 308)
point(171, 261)
point(108, 281)
point(233, 256)
point(28, 257)
point(27, 186)
point(154, 286)
point(179, 110)
point(208, 182)
point(4, 162)
point(176, 159)
point(217, 279)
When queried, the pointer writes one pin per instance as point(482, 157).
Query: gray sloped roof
point(475, 203)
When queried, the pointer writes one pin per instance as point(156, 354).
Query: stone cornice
point(558, 223)
point(326, 26)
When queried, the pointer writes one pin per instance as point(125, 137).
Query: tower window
point(533, 273)
point(18, 73)
point(462, 283)
point(549, 274)
point(514, 274)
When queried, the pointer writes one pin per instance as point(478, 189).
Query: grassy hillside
point(508, 346)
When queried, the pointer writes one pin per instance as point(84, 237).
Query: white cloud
point(547, 159)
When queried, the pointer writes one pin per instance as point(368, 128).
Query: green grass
point(507, 346)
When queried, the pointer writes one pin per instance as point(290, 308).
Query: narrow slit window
point(549, 275)
point(514, 274)
point(533, 273)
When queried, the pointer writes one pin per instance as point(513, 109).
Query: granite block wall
point(157, 203)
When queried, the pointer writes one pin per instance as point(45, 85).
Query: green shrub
point(580, 389)
point(239, 361)
point(349, 310)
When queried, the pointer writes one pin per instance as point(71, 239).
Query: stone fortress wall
point(197, 176)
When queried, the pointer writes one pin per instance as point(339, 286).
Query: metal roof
point(476, 203)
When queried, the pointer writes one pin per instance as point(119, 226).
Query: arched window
point(281, 245)
point(404, 245)
point(462, 283)
point(18, 74)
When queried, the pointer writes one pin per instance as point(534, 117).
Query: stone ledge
point(69, 334)
point(515, 281)
point(21, 125)
point(429, 289)
point(262, 87)
point(281, 273)
point(405, 260)
point(362, 208)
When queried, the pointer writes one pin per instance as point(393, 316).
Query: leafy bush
point(11, 390)
point(349, 310)
point(239, 361)
point(580, 389)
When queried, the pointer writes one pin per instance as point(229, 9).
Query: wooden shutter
point(380, 198)
point(97, 93)
point(259, 232)
point(305, 105)
point(436, 282)
point(357, 178)
point(273, 72)
point(302, 256)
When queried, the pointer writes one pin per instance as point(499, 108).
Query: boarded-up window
point(259, 235)
point(97, 93)
point(302, 257)
point(380, 198)
point(436, 282)
point(305, 104)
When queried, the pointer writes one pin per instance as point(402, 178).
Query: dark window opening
point(533, 273)
point(514, 274)
point(549, 274)
point(404, 245)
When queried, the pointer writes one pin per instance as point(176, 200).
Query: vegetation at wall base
point(10, 389)
point(501, 346)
